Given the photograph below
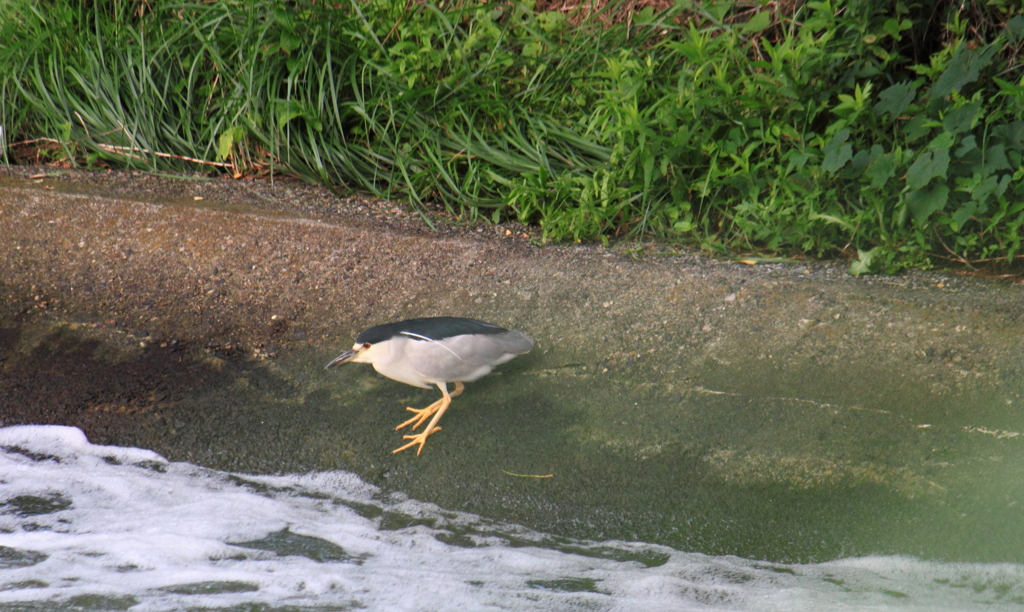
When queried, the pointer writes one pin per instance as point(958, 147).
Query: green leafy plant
point(890, 133)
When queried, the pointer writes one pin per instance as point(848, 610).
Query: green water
point(740, 459)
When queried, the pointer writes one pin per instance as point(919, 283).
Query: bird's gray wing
point(469, 357)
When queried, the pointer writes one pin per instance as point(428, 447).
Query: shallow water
point(786, 464)
point(793, 463)
point(111, 528)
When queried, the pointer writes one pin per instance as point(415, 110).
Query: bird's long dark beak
point(343, 358)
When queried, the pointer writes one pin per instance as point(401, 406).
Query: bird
point(434, 351)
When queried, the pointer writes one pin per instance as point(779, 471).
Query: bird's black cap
point(432, 328)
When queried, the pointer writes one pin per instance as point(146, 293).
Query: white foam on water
point(100, 527)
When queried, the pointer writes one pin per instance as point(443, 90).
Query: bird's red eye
point(366, 345)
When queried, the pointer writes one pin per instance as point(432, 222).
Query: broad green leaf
point(893, 27)
point(1011, 133)
point(757, 23)
point(919, 126)
point(1015, 28)
point(837, 153)
point(290, 42)
point(895, 99)
point(718, 9)
point(923, 202)
point(963, 214)
point(295, 63)
point(961, 119)
point(1003, 184)
point(286, 111)
point(964, 68)
point(227, 139)
point(987, 187)
point(995, 159)
point(224, 143)
point(928, 165)
point(881, 170)
point(968, 144)
point(863, 159)
point(944, 140)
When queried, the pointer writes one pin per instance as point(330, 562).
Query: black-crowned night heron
point(435, 351)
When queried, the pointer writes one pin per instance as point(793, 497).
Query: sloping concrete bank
point(772, 411)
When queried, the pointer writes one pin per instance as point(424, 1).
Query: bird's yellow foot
point(422, 414)
point(437, 409)
point(420, 438)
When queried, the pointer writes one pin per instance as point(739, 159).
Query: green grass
point(866, 130)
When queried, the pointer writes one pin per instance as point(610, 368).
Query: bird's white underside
point(425, 362)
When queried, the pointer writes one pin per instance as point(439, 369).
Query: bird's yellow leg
point(443, 403)
point(422, 414)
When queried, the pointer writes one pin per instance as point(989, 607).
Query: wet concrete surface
point(776, 411)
